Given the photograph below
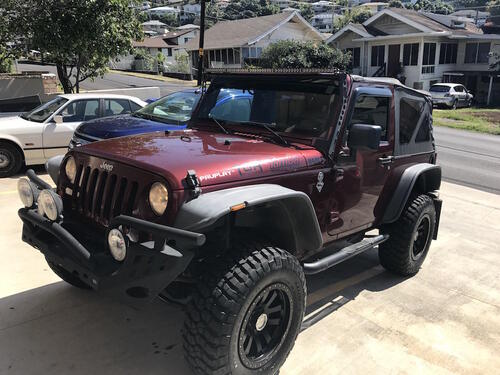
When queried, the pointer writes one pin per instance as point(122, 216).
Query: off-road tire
point(225, 298)
point(397, 254)
point(67, 276)
point(10, 154)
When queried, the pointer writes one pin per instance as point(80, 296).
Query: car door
point(56, 137)
point(114, 107)
point(361, 174)
point(460, 94)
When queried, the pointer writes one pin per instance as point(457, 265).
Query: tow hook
point(193, 183)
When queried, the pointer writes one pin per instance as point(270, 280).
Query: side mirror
point(58, 119)
point(364, 136)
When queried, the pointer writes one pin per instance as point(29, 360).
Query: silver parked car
point(451, 95)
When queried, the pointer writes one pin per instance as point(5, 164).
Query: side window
point(134, 106)
point(81, 110)
point(114, 107)
point(372, 110)
point(459, 89)
point(409, 115)
point(233, 110)
point(424, 133)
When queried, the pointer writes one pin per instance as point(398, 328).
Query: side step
point(344, 254)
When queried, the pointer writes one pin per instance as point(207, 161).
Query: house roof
point(188, 26)
point(154, 42)
point(154, 23)
point(176, 33)
point(247, 31)
point(424, 22)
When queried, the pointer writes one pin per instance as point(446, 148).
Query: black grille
point(102, 195)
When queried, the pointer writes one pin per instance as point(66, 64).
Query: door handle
point(386, 160)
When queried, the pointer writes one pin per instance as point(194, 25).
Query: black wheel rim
point(421, 237)
point(5, 159)
point(265, 326)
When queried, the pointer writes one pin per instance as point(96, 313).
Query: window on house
point(429, 57)
point(448, 53)
point(224, 56)
point(355, 56)
point(410, 54)
point(169, 51)
point(372, 110)
point(476, 53)
point(186, 40)
point(212, 55)
point(251, 52)
point(237, 59)
point(378, 55)
point(230, 56)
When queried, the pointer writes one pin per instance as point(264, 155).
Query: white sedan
point(36, 136)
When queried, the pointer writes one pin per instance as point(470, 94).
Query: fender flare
point(426, 177)
point(201, 213)
point(53, 165)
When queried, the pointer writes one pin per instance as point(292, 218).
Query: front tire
point(246, 313)
point(11, 160)
point(409, 237)
point(454, 105)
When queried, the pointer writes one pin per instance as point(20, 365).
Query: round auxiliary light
point(27, 192)
point(158, 198)
point(117, 245)
point(50, 204)
point(70, 169)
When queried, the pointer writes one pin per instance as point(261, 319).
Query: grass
point(155, 77)
point(475, 119)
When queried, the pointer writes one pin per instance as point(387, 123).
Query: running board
point(344, 254)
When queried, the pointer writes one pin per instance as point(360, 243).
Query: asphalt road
point(468, 158)
point(111, 80)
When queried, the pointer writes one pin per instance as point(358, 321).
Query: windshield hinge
point(193, 183)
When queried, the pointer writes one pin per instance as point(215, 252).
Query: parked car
point(172, 112)
point(36, 136)
point(450, 95)
point(233, 213)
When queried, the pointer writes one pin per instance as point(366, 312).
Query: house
point(374, 7)
point(474, 15)
point(154, 27)
point(177, 39)
point(162, 11)
point(233, 44)
point(190, 11)
point(282, 4)
point(422, 49)
point(324, 22)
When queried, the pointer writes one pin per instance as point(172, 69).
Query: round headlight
point(50, 204)
point(70, 169)
point(27, 192)
point(158, 198)
point(117, 245)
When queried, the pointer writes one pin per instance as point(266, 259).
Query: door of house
point(393, 65)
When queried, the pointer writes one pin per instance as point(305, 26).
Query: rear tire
point(409, 237)
point(11, 160)
point(67, 276)
point(246, 312)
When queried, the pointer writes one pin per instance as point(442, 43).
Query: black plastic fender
point(427, 177)
point(52, 167)
point(202, 212)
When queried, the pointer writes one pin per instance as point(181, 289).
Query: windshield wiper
point(218, 123)
point(269, 129)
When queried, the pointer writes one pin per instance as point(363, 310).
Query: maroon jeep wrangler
point(234, 211)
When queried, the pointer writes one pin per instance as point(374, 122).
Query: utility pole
point(202, 42)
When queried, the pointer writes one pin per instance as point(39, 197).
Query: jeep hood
point(119, 126)
point(215, 157)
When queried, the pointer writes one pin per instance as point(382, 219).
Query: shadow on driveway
point(57, 329)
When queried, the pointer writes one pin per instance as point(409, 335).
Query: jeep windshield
point(293, 108)
point(174, 109)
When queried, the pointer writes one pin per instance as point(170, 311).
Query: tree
point(249, 8)
point(395, 4)
point(433, 6)
point(354, 15)
point(293, 54)
point(9, 35)
point(306, 11)
point(80, 36)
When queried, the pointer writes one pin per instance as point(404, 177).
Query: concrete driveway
point(361, 319)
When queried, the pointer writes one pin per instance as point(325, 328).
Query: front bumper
point(147, 269)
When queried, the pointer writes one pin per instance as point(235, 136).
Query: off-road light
point(117, 245)
point(50, 204)
point(70, 169)
point(158, 198)
point(27, 192)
